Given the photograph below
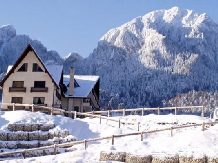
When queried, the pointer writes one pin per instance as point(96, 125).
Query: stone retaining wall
point(36, 135)
point(130, 158)
point(32, 154)
point(34, 144)
point(30, 127)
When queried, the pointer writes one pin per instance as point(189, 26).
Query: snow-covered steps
point(35, 135)
point(34, 143)
point(30, 127)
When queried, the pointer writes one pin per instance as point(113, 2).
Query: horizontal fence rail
point(52, 110)
point(92, 114)
point(142, 110)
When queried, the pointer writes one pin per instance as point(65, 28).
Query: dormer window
point(37, 68)
point(23, 68)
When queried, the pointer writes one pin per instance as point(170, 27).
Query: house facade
point(30, 81)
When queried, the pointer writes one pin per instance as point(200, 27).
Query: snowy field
point(187, 141)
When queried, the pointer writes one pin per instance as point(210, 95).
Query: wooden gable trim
point(22, 56)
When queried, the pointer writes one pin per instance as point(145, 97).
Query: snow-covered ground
point(187, 141)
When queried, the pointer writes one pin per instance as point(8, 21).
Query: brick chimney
point(71, 85)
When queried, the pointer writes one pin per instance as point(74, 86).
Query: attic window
point(23, 68)
point(39, 84)
point(36, 68)
point(18, 84)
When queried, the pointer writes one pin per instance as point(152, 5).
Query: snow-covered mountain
point(70, 60)
point(147, 62)
point(155, 57)
point(12, 45)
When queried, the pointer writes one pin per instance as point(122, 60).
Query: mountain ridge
point(155, 57)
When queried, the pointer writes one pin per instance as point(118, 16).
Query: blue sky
point(77, 25)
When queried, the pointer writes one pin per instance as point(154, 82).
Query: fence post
point(74, 114)
point(158, 111)
point(13, 106)
point(55, 149)
point(108, 113)
point(138, 125)
point(100, 119)
point(171, 131)
point(142, 111)
point(202, 114)
point(119, 123)
point(176, 111)
point(203, 125)
point(112, 139)
point(85, 144)
point(24, 154)
point(51, 111)
point(141, 136)
point(124, 113)
point(32, 107)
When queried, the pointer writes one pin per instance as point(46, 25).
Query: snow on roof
point(55, 71)
point(86, 83)
point(9, 68)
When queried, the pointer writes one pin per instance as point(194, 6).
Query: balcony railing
point(17, 89)
point(57, 106)
point(86, 100)
point(35, 105)
point(33, 89)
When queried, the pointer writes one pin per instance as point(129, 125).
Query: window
point(76, 108)
point(23, 68)
point(39, 84)
point(36, 68)
point(17, 84)
point(58, 95)
point(38, 100)
point(17, 100)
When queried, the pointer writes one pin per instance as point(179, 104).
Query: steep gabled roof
point(22, 56)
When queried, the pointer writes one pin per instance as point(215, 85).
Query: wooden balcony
point(56, 106)
point(86, 100)
point(33, 89)
point(17, 89)
point(38, 105)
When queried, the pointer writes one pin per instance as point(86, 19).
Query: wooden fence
point(142, 110)
point(92, 114)
point(75, 114)
point(85, 142)
point(108, 112)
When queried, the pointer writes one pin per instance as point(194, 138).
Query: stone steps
point(25, 136)
point(30, 127)
point(29, 136)
point(34, 143)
